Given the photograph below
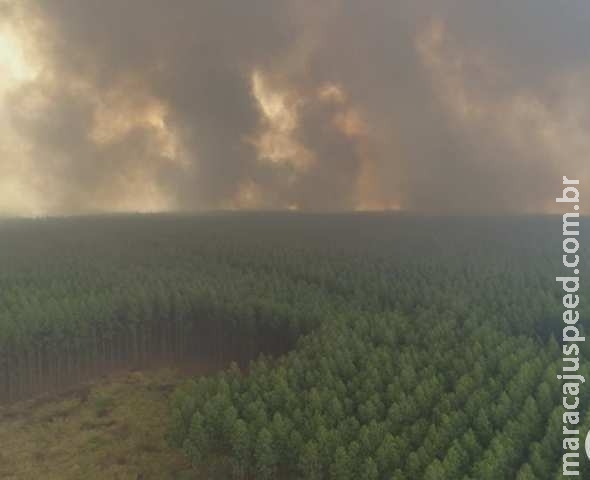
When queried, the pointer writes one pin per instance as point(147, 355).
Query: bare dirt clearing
point(113, 428)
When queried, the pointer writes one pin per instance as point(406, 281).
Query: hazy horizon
point(255, 212)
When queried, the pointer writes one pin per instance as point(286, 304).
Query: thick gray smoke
point(439, 106)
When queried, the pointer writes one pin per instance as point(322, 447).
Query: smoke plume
point(437, 106)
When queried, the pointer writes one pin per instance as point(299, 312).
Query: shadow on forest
point(202, 349)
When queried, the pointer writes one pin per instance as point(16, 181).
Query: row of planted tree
point(382, 397)
point(425, 349)
point(188, 327)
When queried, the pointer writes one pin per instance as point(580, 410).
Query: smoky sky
point(441, 106)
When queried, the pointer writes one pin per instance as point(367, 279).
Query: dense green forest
point(392, 346)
